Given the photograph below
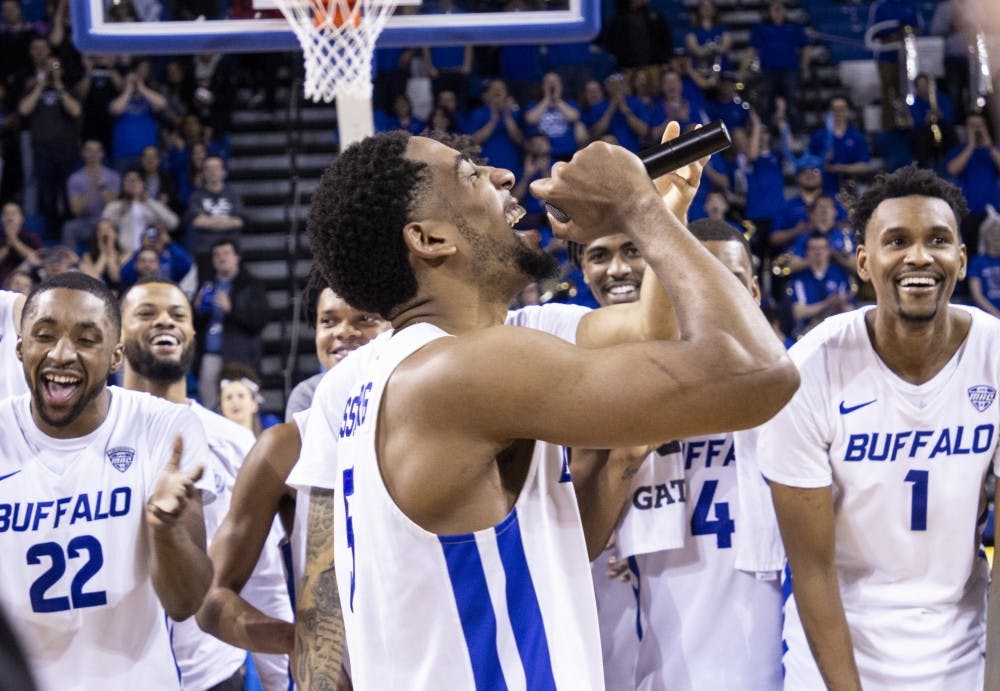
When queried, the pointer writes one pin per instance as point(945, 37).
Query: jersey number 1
point(56, 570)
point(918, 512)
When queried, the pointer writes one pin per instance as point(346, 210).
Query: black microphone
point(677, 153)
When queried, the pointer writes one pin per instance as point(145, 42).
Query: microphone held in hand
point(677, 153)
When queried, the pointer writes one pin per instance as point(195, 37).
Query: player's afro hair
point(905, 182)
point(75, 280)
point(356, 221)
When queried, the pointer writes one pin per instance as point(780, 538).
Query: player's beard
point(492, 259)
point(146, 364)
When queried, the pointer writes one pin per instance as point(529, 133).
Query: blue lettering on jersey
point(45, 515)
point(355, 411)
point(982, 396)
point(888, 446)
point(704, 452)
point(564, 475)
point(655, 496)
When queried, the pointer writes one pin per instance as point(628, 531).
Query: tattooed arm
point(319, 627)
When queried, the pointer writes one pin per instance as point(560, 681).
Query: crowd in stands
point(117, 166)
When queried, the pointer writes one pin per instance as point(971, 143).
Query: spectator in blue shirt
point(449, 68)
point(782, 50)
point(537, 164)
point(402, 117)
point(135, 112)
point(158, 256)
point(984, 268)
point(557, 119)
point(495, 127)
point(821, 289)
point(975, 166)
point(793, 218)
point(707, 43)
point(765, 179)
point(843, 147)
point(620, 115)
point(823, 221)
point(727, 105)
point(672, 104)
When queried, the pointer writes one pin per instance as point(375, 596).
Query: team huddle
point(650, 495)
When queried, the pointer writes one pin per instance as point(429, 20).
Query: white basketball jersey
point(505, 607)
point(907, 465)
point(75, 573)
point(11, 372)
point(706, 625)
point(203, 659)
point(618, 620)
point(267, 588)
point(297, 536)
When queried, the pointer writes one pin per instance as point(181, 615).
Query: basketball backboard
point(556, 21)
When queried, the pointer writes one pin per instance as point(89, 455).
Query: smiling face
point(340, 328)
point(157, 332)
point(475, 200)
point(68, 348)
point(613, 267)
point(238, 403)
point(913, 257)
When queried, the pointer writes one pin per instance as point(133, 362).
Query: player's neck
point(455, 312)
point(916, 351)
point(174, 391)
point(86, 422)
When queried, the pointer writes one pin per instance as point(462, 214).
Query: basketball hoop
point(337, 39)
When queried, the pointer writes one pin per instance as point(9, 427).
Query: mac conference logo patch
point(121, 457)
point(982, 396)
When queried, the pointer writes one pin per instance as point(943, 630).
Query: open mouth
point(918, 284)
point(164, 343)
point(622, 292)
point(60, 388)
point(513, 213)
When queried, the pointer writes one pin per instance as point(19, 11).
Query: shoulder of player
point(219, 428)
point(151, 413)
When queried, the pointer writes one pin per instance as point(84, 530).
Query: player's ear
point(17, 348)
point(428, 240)
point(117, 356)
point(755, 290)
point(964, 259)
point(862, 255)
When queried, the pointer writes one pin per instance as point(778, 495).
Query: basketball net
point(338, 39)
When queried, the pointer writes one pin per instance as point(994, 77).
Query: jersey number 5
point(722, 526)
point(57, 568)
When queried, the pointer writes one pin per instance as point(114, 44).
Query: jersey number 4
point(57, 568)
point(722, 526)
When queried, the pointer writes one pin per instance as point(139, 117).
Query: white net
point(337, 38)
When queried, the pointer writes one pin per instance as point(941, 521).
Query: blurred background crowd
point(199, 167)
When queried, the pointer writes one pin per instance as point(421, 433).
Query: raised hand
point(679, 187)
point(172, 489)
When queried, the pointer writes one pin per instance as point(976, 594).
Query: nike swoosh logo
point(844, 410)
point(4, 477)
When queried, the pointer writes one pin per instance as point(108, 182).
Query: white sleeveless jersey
point(203, 659)
point(706, 625)
point(267, 588)
point(907, 465)
point(618, 620)
point(11, 373)
point(75, 573)
point(505, 607)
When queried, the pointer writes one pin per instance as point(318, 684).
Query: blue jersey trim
point(633, 566)
point(522, 606)
point(475, 609)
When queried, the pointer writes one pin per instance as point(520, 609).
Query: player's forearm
point(180, 568)
point(319, 625)
point(714, 310)
point(825, 624)
point(230, 618)
point(603, 481)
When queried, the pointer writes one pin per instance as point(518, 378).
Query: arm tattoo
point(319, 626)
